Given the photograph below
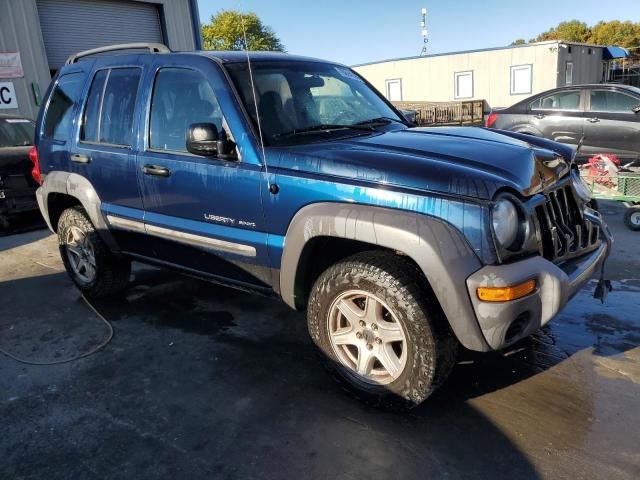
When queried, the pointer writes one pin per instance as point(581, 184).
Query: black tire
point(431, 347)
point(632, 218)
point(111, 272)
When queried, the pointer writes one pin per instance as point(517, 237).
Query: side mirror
point(409, 115)
point(202, 139)
point(636, 109)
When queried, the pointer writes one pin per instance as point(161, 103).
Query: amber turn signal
point(504, 294)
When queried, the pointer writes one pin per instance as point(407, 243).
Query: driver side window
point(180, 98)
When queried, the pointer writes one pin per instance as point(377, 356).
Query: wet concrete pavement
point(202, 381)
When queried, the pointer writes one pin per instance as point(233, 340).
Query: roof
point(463, 52)
point(238, 56)
point(612, 52)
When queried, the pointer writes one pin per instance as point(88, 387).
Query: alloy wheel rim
point(635, 219)
point(80, 254)
point(367, 337)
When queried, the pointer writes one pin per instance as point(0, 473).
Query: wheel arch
point(62, 190)
point(438, 249)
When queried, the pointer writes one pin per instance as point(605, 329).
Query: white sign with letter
point(8, 95)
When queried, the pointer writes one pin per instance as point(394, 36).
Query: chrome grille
point(564, 233)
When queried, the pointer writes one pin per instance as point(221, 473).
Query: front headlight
point(506, 222)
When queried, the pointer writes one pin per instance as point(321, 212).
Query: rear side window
point(59, 116)
point(181, 97)
point(108, 115)
point(609, 101)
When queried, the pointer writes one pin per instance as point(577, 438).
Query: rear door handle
point(156, 170)
point(593, 120)
point(80, 158)
point(539, 116)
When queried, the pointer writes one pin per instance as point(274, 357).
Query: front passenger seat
point(272, 116)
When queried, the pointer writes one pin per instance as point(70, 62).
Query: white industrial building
point(499, 76)
point(36, 37)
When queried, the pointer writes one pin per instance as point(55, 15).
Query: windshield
point(16, 132)
point(309, 101)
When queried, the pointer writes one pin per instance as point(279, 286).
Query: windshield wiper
point(381, 121)
point(323, 128)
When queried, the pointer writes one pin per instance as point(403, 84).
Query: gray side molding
point(80, 188)
point(439, 250)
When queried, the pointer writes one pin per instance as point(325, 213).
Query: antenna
point(272, 188)
point(424, 32)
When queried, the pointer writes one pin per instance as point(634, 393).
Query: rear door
point(611, 126)
point(559, 115)
point(104, 152)
point(203, 213)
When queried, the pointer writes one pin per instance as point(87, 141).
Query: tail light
point(35, 171)
point(491, 119)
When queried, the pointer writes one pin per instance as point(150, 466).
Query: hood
point(468, 161)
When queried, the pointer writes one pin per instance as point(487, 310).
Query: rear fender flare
point(80, 188)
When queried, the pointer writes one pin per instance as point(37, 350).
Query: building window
point(463, 84)
point(569, 49)
point(590, 51)
point(394, 90)
point(521, 79)
point(568, 73)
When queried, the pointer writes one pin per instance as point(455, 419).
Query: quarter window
point(181, 97)
point(59, 116)
point(108, 116)
point(565, 100)
point(610, 101)
point(463, 84)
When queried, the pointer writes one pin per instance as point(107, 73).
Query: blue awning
point(612, 52)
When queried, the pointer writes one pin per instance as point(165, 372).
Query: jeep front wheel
point(379, 329)
point(91, 266)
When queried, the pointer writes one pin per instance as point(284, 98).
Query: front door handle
point(593, 120)
point(156, 170)
point(80, 158)
point(539, 116)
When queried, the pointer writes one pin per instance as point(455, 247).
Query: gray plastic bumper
point(503, 323)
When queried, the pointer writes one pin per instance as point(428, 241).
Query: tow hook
point(604, 286)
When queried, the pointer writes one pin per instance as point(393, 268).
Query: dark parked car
point(607, 115)
point(296, 178)
point(17, 188)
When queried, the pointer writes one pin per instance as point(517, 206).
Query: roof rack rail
point(152, 47)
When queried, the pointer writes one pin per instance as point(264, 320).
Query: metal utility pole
point(425, 40)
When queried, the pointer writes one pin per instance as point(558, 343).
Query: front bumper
point(506, 322)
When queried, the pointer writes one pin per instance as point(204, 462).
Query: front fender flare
point(440, 250)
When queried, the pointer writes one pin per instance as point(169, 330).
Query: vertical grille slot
point(563, 231)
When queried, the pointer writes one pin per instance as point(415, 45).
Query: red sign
point(10, 65)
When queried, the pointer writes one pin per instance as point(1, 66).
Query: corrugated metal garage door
point(70, 26)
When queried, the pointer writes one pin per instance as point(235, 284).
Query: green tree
point(571, 31)
point(624, 34)
point(519, 41)
point(225, 32)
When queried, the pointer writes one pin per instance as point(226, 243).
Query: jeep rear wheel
point(379, 329)
point(91, 266)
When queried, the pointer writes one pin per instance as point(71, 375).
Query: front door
point(203, 213)
point(559, 116)
point(611, 126)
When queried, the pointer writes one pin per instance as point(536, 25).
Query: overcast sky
point(358, 31)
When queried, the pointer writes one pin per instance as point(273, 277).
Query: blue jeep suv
point(293, 177)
